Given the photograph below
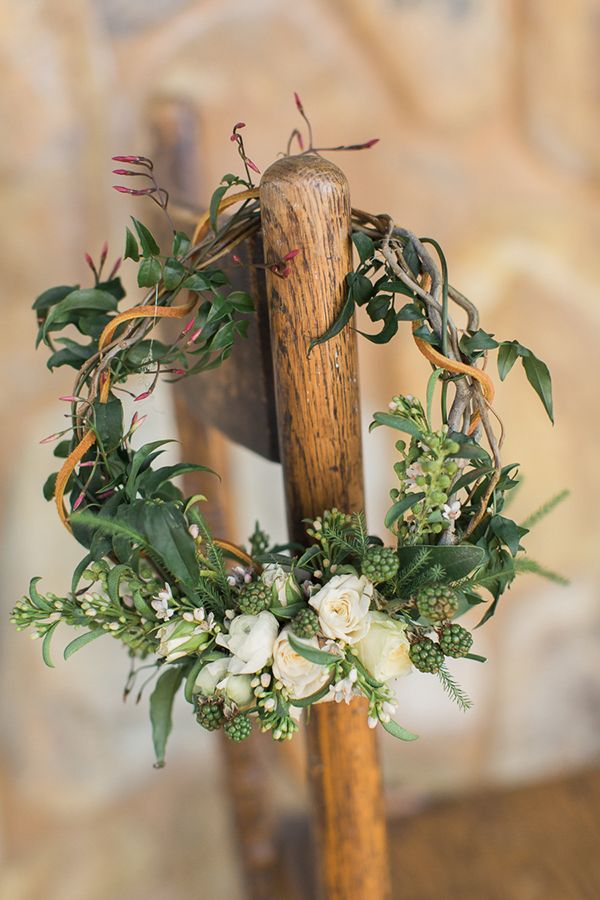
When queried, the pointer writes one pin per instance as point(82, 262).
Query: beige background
point(488, 119)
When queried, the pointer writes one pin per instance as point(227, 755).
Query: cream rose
point(299, 676)
point(284, 585)
point(343, 607)
point(214, 677)
point(250, 642)
point(384, 650)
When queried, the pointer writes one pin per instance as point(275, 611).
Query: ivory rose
point(298, 675)
point(343, 607)
point(384, 650)
point(250, 642)
point(214, 677)
point(285, 588)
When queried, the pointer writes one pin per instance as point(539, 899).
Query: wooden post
point(305, 204)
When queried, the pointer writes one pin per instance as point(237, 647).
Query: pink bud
point(79, 501)
point(137, 421)
point(239, 125)
point(291, 255)
point(105, 494)
point(115, 268)
point(127, 159)
point(189, 326)
point(371, 143)
point(50, 438)
point(299, 106)
point(195, 336)
point(234, 137)
point(252, 166)
point(178, 371)
point(235, 258)
point(90, 262)
point(69, 399)
point(87, 464)
point(300, 141)
point(125, 172)
point(138, 193)
point(142, 396)
point(287, 271)
point(103, 253)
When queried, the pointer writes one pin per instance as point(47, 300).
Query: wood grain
point(305, 205)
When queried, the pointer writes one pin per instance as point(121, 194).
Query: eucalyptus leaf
point(82, 640)
point(320, 657)
point(457, 560)
point(394, 421)
point(400, 507)
point(46, 640)
point(161, 710)
point(398, 731)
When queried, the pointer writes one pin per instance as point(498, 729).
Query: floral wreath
point(260, 634)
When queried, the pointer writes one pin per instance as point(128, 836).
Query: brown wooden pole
point(305, 204)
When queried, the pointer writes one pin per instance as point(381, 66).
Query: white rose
point(285, 585)
point(214, 676)
point(250, 642)
point(384, 650)
point(299, 676)
point(343, 607)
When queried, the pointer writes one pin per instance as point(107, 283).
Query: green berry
point(254, 598)
point(437, 603)
point(209, 714)
point(239, 727)
point(305, 624)
point(455, 641)
point(379, 564)
point(426, 656)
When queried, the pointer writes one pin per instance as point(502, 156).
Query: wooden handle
point(305, 205)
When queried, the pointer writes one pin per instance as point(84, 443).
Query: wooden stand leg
point(305, 204)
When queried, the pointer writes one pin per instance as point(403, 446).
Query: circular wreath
point(257, 634)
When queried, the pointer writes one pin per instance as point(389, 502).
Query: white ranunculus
point(343, 607)
point(285, 587)
point(298, 675)
point(384, 650)
point(250, 642)
point(214, 677)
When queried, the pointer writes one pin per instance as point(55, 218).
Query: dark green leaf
point(400, 507)
point(161, 710)
point(46, 644)
point(53, 296)
point(396, 287)
point(76, 304)
point(508, 532)
point(364, 245)
point(360, 287)
point(132, 251)
point(108, 422)
point(320, 657)
point(149, 245)
point(507, 355)
point(49, 486)
point(215, 202)
point(388, 331)
point(241, 301)
point(479, 340)
point(456, 560)
point(149, 272)
point(341, 321)
point(173, 273)
point(196, 282)
point(152, 480)
point(426, 335)
point(82, 640)
point(540, 380)
point(36, 598)
point(412, 258)
point(114, 287)
point(410, 312)
point(181, 243)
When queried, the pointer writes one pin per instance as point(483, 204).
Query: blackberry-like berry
point(209, 714)
point(455, 641)
point(426, 656)
point(379, 564)
point(437, 603)
point(254, 598)
point(239, 727)
point(305, 624)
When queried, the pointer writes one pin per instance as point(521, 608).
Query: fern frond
point(547, 507)
point(409, 573)
point(453, 689)
point(530, 565)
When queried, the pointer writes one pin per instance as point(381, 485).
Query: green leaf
point(75, 305)
point(196, 282)
point(360, 287)
point(398, 731)
point(469, 477)
point(540, 380)
point(320, 657)
point(149, 245)
point(410, 312)
point(53, 296)
point(149, 272)
point(400, 507)
point(394, 421)
point(161, 710)
point(364, 245)
point(132, 251)
point(507, 356)
point(241, 301)
point(426, 335)
point(412, 258)
point(456, 560)
point(387, 332)
point(508, 532)
point(190, 678)
point(36, 598)
point(141, 460)
point(108, 422)
point(82, 640)
point(215, 202)
point(396, 287)
point(341, 321)
point(46, 644)
point(152, 480)
point(49, 486)
point(479, 340)
point(430, 389)
point(173, 273)
point(181, 243)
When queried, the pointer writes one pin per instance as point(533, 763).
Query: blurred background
point(488, 120)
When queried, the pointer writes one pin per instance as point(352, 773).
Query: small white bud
point(372, 722)
point(265, 679)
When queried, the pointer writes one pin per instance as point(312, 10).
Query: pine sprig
point(411, 571)
point(545, 509)
point(525, 564)
point(453, 689)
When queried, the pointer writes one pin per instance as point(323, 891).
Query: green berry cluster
point(379, 564)
point(238, 728)
point(455, 641)
point(306, 623)
point(426, 655)
point(209, 713)
point(437, 603)
point(254, 598)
